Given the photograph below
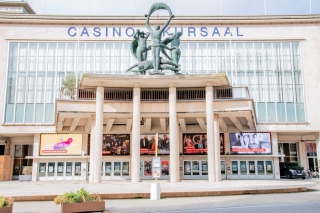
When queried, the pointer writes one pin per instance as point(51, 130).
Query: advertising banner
point(116, 144)
point(148, 143)
point(61, 144)
point(246, 143)
point(196, 144)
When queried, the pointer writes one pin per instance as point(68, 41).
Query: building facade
point(242, 78)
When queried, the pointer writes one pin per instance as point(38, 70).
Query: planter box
point(83, 207)
point(25, 177)
point(6, 210)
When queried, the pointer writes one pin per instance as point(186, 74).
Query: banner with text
point(196, 144)
point(61, 144)
point(244, 143)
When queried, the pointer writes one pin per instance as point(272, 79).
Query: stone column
point(98, 135)
point(174, 143)
point(92, 145)
point(276, 168)
point(318, 149)
point(135, 149)
point(210, 134)
point(216, 142)
point(35, 162)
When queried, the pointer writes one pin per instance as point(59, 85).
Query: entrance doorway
point(312, 156)
point(20, 160)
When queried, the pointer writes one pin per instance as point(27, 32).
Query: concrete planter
point(6, 210)
point(25, 177)
point(83, 207)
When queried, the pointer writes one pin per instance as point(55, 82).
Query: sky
point(178, 7)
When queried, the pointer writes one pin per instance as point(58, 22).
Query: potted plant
point(26, 174)
point(6, 204)
point(80, 201)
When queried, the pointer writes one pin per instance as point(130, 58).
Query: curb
point(171, 194)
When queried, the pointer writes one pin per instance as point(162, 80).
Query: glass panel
point(69, 169)
point(234, 167)
point(204, 167)
point(117, 169)
point(125, 168)
point(252, 168)
point(42, 169)
point(165, 167)
point(107, 168)
point(243, 167)
point(51, 169)
point(17, 165)
point(223, 167)
point(77, 169)
point(187, 167)
point(262, 117)
point(260, 167)
point(311, 149)
point(18, 151)
point(195, 167)
point(60, 169)
point(39, 113)
point(281, 112)
point(269, 167)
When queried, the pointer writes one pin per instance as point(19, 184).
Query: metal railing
point(231, 93)
point(154, 94)
point(124, 94)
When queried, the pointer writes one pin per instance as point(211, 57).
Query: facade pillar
point(35, 162)
point(216, 142)
point(210, 134)
point(274, 138)
point(98, 135)
point(135, 148)
point(174, 143)
point(92, 145)
point(318, 149)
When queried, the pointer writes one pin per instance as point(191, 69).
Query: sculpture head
point(157, 27)
point(179, 34)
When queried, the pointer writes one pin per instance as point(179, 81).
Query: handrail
point(161, 94)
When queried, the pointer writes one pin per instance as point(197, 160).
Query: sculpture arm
point(147, 35)
point(136, 35)
point(167, 23)
point(147, 24)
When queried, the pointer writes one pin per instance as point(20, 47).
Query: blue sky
point(179, 7)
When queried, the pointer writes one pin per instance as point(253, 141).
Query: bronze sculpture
point(139, 47)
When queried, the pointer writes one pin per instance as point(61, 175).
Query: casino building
point(246, 98)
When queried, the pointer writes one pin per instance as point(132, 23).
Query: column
point(174, 143)
point(135, 141)
point(98, 135)
point(35, 162)
point(92, 145)
point(276, 168)
point(210, 134)
point(216, 142)
point(318, 149)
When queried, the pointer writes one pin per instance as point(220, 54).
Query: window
point(289, 150)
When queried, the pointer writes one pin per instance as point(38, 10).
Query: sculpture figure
point(156, 34)
point(143, 66)
point(139, 45)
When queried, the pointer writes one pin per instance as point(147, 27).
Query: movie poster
point(148, 142)
point(246, 143)
point(116, 144)
point(196, 144)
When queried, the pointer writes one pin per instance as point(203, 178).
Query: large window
point(290, 152)
point(271, 70)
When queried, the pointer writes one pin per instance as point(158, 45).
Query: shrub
point(6, 201)
point(79, 196)
point(27, 170)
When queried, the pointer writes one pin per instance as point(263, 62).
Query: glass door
point(243, 170)
point(20, 160)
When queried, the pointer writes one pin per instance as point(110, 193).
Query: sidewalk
point(47, 190)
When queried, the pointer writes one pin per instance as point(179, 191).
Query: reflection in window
point(311, 149)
